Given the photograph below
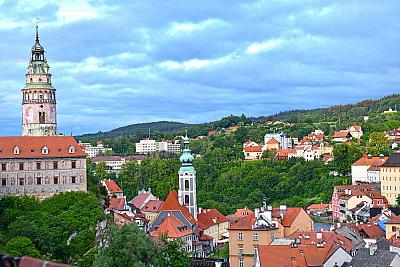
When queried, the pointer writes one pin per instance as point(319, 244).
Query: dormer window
point(71, 150)
point(45, 150)
point(16, 150)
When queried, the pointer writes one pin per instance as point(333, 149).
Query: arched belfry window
point(186, 185)
point(186, 199)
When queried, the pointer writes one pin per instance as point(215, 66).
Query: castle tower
point(187, 180)
point(38, 96)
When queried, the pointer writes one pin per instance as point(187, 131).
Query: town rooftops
point(139, 200)
point(172, 227)
point(39, 147)
point(394, 220)
point(341, 134)
point(172, 204)
point(392, 161)
point(381, 258)
point(273, 141)
point(289, 215)
point(368, 160)
point(112, 187)
point(117, 204)
point(318, 207)
point(244, 223)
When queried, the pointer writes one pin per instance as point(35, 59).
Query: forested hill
point(341, 115)
point(348, 112)
point(142, 128)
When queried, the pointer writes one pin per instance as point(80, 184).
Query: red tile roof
point(152, 206)
point(139, 200)
point(112, 186)
point(252, 149)
point(243, 213)
point(172, 227)
point(340, 134)
point(172, 203)
point(116, 204)
point(273, 141)
point(244, 223)
point(289, 215)
point(318, 206)
point(299, 256)
point(394, 220)
point(210, 217)
point(370, 161)
point(31, 147)
point(370, 230)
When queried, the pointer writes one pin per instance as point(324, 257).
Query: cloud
point(266, 45)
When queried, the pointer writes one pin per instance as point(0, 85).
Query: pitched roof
point(210, 217)
point(370, 161)
point(380, 258)
point(289, 215)
point(152, 206)
point(318, 206)
point(112, 186)
point(139, 200)
point(394, 220)
point(273, 141)
point(31, 147)
point(253, 149)
point(300, 255)
point(244, 223)
point(172, 203)
point(341, 134)
point(371, 230)
point(392, 161)
point(172, 227)
point(243, 212)
point(117, 204)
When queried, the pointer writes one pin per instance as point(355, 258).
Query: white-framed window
point(240, 236)
point(71, 150)
point(255, 236)
point(45, 150)
point(240, 249)
point(241, 263)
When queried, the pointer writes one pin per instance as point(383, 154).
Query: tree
point(269, 154)
point(127, 246)
point(101, 170)
point(345, 155)
point(378, 144)
point(21, 246)
point(173, 254)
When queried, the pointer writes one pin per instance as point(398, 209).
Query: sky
point(116, 63)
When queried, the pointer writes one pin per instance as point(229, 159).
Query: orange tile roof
point(152, 206)
point(272, 141)
point(253, 149)
point(31, 147)
point(210, 217)
point(172, 203)
point(371, 230)
point(172, 227)
point(340, 134)
point(370, 161)
point(243, 212)
point(112, 186)
point(244, 223)
point(299, 256)
point(318, 206)
point(394, 220)
point(116, 204)
point(288, 216)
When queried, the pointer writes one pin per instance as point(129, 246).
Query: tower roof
point(186, 157)
point(172, 203)
point(37, 49)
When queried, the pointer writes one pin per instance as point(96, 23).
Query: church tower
point(38, 96)
point(187, 180)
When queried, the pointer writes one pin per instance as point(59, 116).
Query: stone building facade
point(41, 166)
point(38, 96)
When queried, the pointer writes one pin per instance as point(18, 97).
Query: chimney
point(382, 157)
point(200, 210)
point(369, 156)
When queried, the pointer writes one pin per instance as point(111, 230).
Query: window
point(38, 165)
point(393, 228)
point(42, 117)
point(71, 150)
point(240, 249)
point(186, 199)
point(240, 236)
point(21, 166)
point(73, 164)
point(55, 165)
point(241, 263)
point(3, 182)
point(3, 167)
point(255, 236)
point(21, 181)
point(255, 250)
point(55, 180)
point(16, 150)
point(73, 179)
point(38, 180)
point(186, 185)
